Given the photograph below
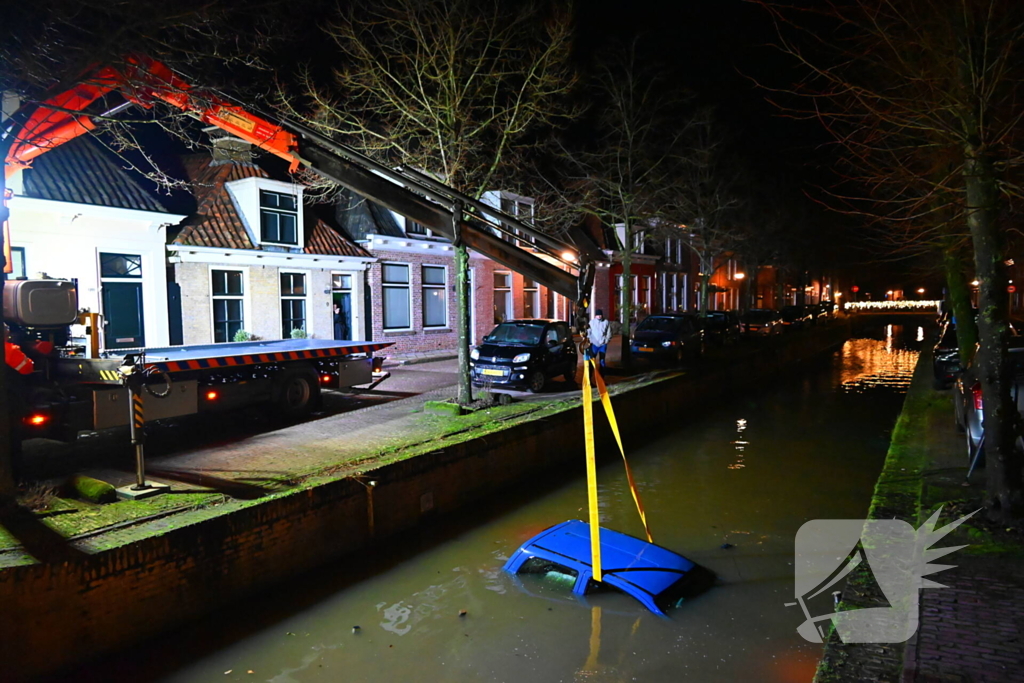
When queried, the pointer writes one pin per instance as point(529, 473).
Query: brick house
point(76, 214)
point(411, 286)
point(254, 256)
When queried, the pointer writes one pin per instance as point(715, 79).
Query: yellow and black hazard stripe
point(262, 358)
point(110, 375)
point(138, 412)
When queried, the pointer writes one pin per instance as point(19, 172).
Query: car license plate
point(493, 373)
point(644, 349)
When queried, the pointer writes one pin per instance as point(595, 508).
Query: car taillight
point(976, 393)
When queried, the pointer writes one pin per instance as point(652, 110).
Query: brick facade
point(416, 339)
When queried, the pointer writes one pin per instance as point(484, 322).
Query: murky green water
point(746, 472)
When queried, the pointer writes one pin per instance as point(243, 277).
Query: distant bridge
point(929, 307)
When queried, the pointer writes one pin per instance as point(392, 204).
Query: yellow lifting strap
point(588, 432)
point(606, 401)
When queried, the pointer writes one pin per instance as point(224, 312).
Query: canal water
point(727, 487)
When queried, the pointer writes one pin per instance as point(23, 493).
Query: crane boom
point(487, 230)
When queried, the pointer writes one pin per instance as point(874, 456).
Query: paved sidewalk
point(973, 630)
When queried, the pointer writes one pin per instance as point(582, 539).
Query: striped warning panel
point(260, 358)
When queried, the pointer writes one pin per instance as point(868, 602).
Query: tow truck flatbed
point(174, 359)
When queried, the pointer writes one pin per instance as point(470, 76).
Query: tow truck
point(58, 391)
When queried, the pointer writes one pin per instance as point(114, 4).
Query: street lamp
point(740, 276)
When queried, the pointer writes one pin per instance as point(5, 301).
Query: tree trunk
point(1002, 461)
point(464, 394)
point(705, 282)
point(960, 303)
point(626, 313)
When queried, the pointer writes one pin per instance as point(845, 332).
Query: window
point(341, 282)
point(502, 297)
point(228, 304)
point(521, 208)
point(413, 228)
point(642, 293)
point(121, 266)
point(435, 297)
point(293, 303)
point(18, 262)
point(279, 218)
point(531, 299)
point(397, 297)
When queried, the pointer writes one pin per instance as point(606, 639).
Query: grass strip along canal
point(203, 557)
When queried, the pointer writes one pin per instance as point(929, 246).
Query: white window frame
point(517, 202)
point(443, 287)
point(534, 294)
point(246, 311)
point(299, 237)
point(383, 302)
point(307, 318)
point(509, 310)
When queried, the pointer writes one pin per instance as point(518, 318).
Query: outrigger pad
point(657, 577)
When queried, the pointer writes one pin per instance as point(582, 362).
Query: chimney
point(227, 148)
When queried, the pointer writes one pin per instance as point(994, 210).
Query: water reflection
point(868, 365)
point(740, 444)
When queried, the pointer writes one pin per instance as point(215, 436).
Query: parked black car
point(722, 327)
point(524, 354)
point(825, 309)
point(795, 317)
point(761, 322)
point(675, 338)
point(946, 357)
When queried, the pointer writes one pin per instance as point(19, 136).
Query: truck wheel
point(298, 392)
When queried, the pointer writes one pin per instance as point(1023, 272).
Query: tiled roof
point(79, 171)
point(216, 222)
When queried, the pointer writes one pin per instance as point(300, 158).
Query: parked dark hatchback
point(722, 327)
point(796, 316)
point(668, 337)
point(524, 354)
point(761, 322)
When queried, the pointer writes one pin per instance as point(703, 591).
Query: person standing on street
point(600, 334)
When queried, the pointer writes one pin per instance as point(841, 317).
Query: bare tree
point(622, 170)
point(455, 88)
point(928, 91)
point(705, 199)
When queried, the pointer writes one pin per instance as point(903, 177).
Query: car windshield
point(758, 316)
point(655, 324)
point(527, 334)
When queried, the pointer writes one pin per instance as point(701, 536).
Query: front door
point(122, 311)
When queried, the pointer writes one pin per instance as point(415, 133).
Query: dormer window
point(279, 218)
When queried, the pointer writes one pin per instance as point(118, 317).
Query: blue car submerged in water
point(657, 577)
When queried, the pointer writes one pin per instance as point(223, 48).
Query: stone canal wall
point(125, 586)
